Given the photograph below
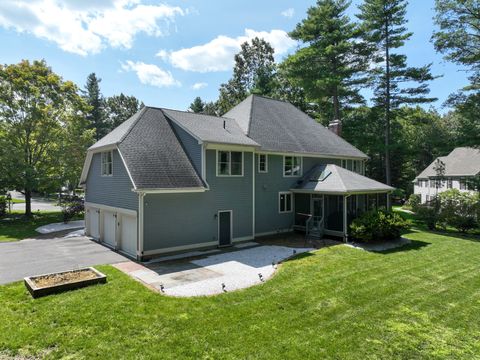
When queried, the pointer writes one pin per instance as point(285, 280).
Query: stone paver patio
point(212, 272)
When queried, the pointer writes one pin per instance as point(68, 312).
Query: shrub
point(378, 226)
point(429, 215)
point(3, 206)
point(71, 206)
point(458, 209)
point(413, 202)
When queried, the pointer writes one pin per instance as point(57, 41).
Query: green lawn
point(17, 201)
point(420, 301)
point(16, 227)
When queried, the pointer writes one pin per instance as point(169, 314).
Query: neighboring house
point(448, 172)
point(167, 180)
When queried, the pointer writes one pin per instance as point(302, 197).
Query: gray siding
point(181, 219)
point(191, 146)
point(267, 187)
point(113, 190)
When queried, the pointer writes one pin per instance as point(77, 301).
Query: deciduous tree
point(35, 106)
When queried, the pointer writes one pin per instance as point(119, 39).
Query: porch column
point(345, 225)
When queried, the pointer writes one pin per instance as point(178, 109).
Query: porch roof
point(333, 179)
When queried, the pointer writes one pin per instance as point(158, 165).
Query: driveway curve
point(39, 256)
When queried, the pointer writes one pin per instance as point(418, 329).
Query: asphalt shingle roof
point(116, 135)
point(210, 128)
point(462, 161)
point(333, 179)
point(152, 152)
point(279, 126)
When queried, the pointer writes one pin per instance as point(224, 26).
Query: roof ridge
point(336, 167)
point(142, 112)
point(190, 112)
point(250, 116)
point(269, 98)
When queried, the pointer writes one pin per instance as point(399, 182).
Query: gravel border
point(382, 246)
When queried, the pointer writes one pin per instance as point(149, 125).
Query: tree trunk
point(28, 203)
point(388, 178)
point(336, 105)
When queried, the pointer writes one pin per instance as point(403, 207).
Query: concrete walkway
point(56, 227)
point(223, 271)
point(39, 256)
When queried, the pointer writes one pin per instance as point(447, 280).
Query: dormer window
point(107, 163)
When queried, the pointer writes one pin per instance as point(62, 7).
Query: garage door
point(94, 223)
point(109, 228)
point(128, 236)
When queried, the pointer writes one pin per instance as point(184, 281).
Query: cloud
point(288, 13)
point(86, 26)
point(150, 74)
point(199, 85)
point(218, 54)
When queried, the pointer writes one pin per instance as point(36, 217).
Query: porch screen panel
point(334, 212)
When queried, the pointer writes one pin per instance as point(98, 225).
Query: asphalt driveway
point(39, 256)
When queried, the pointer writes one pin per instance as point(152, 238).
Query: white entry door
point(94, 223)
point(109, 228)
point(128, 240)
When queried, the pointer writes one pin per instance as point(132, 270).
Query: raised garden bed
point(46, 284)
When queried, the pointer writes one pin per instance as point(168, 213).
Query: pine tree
point(197, 106)
point(329, 68)
point(458, 37)
point(96, 116)
point(254, 72)
point(384, 29)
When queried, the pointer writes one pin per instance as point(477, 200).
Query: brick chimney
point(335, 126)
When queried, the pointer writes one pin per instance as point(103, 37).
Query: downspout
point(345, 225)
point(254, 157)
point(141, 196)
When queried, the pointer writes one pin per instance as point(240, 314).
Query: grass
point(17, 201)
point(16, 227)
point(421, 301)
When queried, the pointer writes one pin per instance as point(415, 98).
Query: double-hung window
point(284, 202)
point(107, 163)
point(262, 163)
point(230, 163)
point(292, 166)
point(449, 183)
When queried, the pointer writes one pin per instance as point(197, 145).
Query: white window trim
point(301, 166)
point(230, 163)
point(266, 164)
point(101, 163)
point(279, 202)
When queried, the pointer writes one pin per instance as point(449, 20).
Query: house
point(448, 172)
point(168, 181)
